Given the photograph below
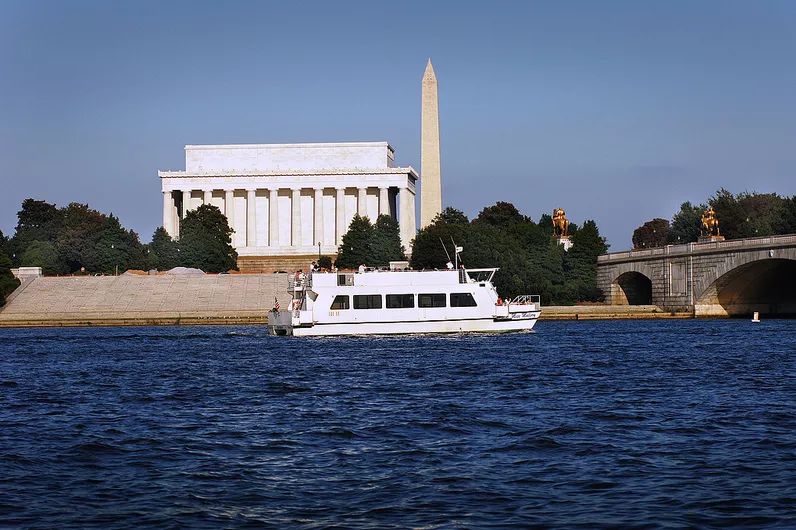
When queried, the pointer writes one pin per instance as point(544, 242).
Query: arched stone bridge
point(724, 278)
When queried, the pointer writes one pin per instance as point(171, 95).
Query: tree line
point(743, 215)
point(7, 281)
point(78, 239)
point(371, 244)
point(530, 260)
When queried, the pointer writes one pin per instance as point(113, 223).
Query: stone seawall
point(131, 300)
point(609, 312)
point(145, 300)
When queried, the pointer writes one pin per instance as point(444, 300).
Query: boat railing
point(478, 275)
point(297, 283)
point(525, 299)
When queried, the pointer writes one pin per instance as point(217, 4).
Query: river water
point(643, 424)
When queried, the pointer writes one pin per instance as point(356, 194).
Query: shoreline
point(549, 313)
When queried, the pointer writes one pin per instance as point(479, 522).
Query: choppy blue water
point(639, 424)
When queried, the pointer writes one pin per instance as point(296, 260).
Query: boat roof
point(407, 277)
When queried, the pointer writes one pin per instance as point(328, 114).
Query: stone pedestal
point(565, 242)
point(710, 239)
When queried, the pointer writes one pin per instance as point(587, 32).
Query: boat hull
point(475, 325)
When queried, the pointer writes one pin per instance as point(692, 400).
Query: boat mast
point(446, 250)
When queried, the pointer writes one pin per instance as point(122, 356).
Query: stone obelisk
point(430, 179)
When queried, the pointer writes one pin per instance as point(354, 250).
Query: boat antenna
point(456, 251)
point(445, 249)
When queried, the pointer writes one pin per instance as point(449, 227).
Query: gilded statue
point(710, 224)
point(560, 223)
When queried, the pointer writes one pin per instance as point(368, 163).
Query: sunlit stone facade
point(285, 199)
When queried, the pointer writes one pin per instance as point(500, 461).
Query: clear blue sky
point(615, 111)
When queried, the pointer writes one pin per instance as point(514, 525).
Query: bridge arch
point(631, 288)
point(764, 285)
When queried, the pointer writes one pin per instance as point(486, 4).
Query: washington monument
point(431, 191)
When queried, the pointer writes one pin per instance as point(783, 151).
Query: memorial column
point(384, 201)
point(175, 217)
point(295, 217)
point(229, 205)
point(362, 202)
point(273, 217)
point(406, 219)
point(186, 200)
point(208, 194)
point(168, 213)
point(339, 211)
point(318, 204)
point(251, 219)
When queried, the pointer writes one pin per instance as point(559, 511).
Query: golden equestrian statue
point(560, 223)
point(710, 224)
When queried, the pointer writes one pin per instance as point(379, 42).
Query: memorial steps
point(145, 300)
point(269, 264)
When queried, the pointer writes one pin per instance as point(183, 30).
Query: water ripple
point(579, 425)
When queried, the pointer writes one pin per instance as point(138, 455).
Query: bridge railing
point(698, 248)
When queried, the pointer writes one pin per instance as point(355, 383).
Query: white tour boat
point(392, 302)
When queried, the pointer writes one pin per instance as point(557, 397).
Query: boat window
point(344, 280)
point(431, 300)
point(462, 300)
point(341, 301)
point(397, 301)
point(367, 301)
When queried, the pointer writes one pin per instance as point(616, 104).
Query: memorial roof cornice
point(306, 145)
point(315, 172)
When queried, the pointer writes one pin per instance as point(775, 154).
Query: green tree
point(531, 236)
point(501, 214)
point(786, 224)
point(325, 262)
point(97, 242)
point(4, 244)
point(386, 242)
point(546, 224)
point(206, 240)
point(763, 213)
point(729, 213)
point(79, 238)
point(356, 246)
point(651, 234)
point(747, 214)
point(451, 216)
point(117, 249)
point(42, 254)
point(7, 281)
point(546, 273)
point(686, 224)
point(486, 245)
point(36, 221)
point(430, 244)
point(530, 261)
point(163, 254)
point(581, 262)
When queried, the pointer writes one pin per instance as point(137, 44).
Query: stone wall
point(133, 299)
point(689, 277)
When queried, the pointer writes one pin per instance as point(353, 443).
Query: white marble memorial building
point(284, 199)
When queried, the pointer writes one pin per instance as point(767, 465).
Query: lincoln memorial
point(282, 200)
